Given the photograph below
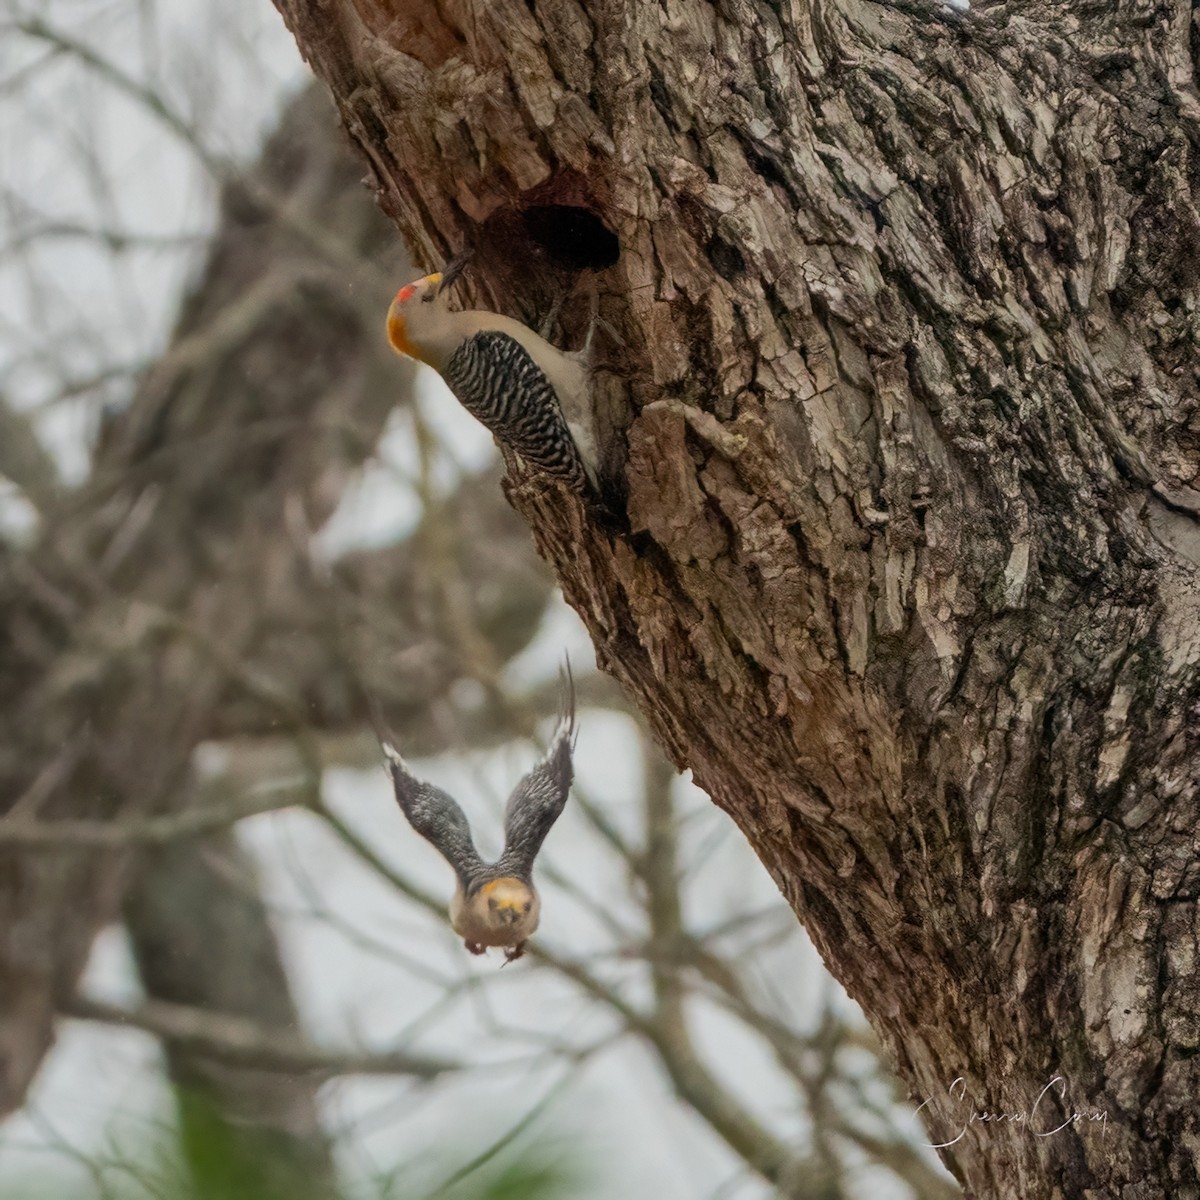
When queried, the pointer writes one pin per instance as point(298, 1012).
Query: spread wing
point(437, 817)
point(538, 799)
point(500, 385)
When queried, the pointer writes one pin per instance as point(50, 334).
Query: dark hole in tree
point(727, 259)
point(572, 236)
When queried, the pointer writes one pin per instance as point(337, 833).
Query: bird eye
point(528, 905)
point(427, 298)
point(492, 903)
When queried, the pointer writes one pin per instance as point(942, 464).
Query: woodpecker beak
point(453, 269)
point(510, 914)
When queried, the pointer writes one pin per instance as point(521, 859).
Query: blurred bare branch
point(248, 1043)
point(24, 460)
point(85, 835)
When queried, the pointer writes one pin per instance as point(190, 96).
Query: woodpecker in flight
point(535, 398)
point(495, 904)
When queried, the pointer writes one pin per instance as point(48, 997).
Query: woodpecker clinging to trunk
point(534, 398)
point(495, 904)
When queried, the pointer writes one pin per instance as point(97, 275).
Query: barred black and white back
point(498, 383)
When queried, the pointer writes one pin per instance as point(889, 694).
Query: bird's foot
point(593, 321)
point(552, 316)
point(513, 953)
point(475, 948)
point(596, 321)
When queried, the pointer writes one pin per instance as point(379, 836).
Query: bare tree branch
point(248, 1043)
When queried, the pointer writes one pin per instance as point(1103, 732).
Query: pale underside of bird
point(494, 904)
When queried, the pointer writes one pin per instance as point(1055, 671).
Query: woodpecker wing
point(539, 798)
point(436, 816)
point(498, 383)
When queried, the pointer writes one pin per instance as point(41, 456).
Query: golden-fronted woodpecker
point(533, 397)
point(494, 904)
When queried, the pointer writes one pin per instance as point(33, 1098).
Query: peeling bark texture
point(905, 406)
point(174, 598)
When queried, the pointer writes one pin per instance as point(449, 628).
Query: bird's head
point(416, 316)
point(409, 313)
point(508, 901)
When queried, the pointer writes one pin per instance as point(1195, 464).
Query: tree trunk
point(907, 421)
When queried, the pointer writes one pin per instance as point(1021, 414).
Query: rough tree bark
point(909, 431)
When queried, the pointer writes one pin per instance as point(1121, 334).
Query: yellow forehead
point(502, 887)
point(406, 293)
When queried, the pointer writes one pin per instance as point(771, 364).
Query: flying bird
point(494, 904)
